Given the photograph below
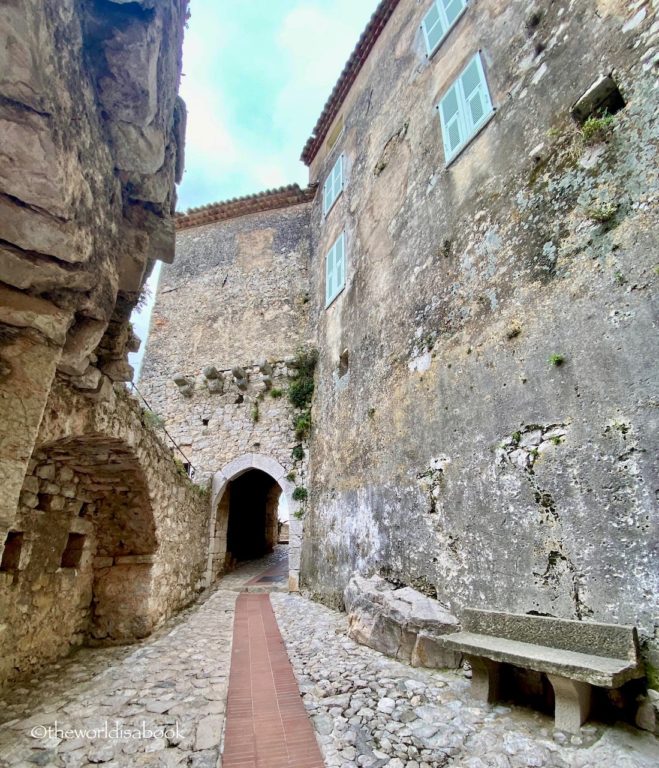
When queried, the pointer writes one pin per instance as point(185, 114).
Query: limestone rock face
point(401, 623)
point(91, 129)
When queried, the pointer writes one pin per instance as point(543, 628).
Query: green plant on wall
point(300, 392)
point(603, 212)
point(276, 393)
point(255, 412)
point(152, 420)
point(557, 360)
point(297, 454)
point(300, 494)
point(302, 425)
point(597, 129)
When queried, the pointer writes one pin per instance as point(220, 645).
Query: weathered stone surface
point(35, 231)
point(462, 285)
point(70, 77)
point(401, 623)
point(23, 311)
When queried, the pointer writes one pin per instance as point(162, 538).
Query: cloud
point(256, 78)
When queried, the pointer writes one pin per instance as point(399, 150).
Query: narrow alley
point(180, 698)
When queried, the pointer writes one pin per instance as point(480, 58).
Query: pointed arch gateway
point(240, 535)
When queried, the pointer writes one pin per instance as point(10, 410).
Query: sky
point(256, 75)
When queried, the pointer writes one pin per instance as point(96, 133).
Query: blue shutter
point(339, 262)
point(335, 272)
point(438, 21)
point(452, 129)
point(329, 276)
point(433, 28)
point(477, 103)
point(465, 108)
point(333, 185)
point(453, 9)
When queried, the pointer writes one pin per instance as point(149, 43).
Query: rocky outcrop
point(401, 623)
point(91, 129)
point(91, 138)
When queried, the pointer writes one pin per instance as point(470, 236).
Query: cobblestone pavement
point(168, 695)
point(170, 690)
point(370, 711)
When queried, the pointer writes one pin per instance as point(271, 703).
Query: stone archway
point(85, 539)
point(220, 513)
point(108, 538)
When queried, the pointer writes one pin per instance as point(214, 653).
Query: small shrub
point(300, 392)
point(517, 436)
point(291, 477)
point(300, 494)
point(602, 213)
point(153, 420)
point(298, 514)
point(619, 278)
point(297, 454)
point(556, 439)
point(302, 425)
point(597, 129)
point(255, 412)
point(556, 360)
point(276, 393)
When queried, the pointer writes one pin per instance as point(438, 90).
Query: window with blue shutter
point(333, 185)
point(335, 271)
point(465, 108)
point(436, 24)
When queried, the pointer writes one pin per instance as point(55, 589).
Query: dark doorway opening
point(253, 524)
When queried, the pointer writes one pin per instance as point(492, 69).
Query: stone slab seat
point(573, 654)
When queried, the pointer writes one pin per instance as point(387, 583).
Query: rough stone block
point(390, 621)
point(134, 560)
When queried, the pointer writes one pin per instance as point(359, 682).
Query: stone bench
point(574, 655)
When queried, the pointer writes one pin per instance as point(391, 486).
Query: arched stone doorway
point(260, 481)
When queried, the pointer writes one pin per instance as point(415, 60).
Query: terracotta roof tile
point(241, 206)
point(356, 61)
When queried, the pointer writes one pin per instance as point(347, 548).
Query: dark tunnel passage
point(253, 528)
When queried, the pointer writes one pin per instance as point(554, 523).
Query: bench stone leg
point(484, 679)
point(572, 702)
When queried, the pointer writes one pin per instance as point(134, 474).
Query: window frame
point(442, 13)
point(330, 299)
point(463, 105)
point(340, 160)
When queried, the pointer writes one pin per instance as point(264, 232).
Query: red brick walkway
point(267, 725)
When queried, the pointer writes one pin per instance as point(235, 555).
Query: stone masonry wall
point(236, 298)
point(237, 293)
point(493, 439)
point(230, 314)
point(139, 548)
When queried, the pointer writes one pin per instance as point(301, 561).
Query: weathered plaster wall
point(91, 130)
point(453, 456)
point(98, 471)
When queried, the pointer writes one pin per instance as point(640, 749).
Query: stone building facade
point(483, 421)
point(101, 536)
point(230, 315)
